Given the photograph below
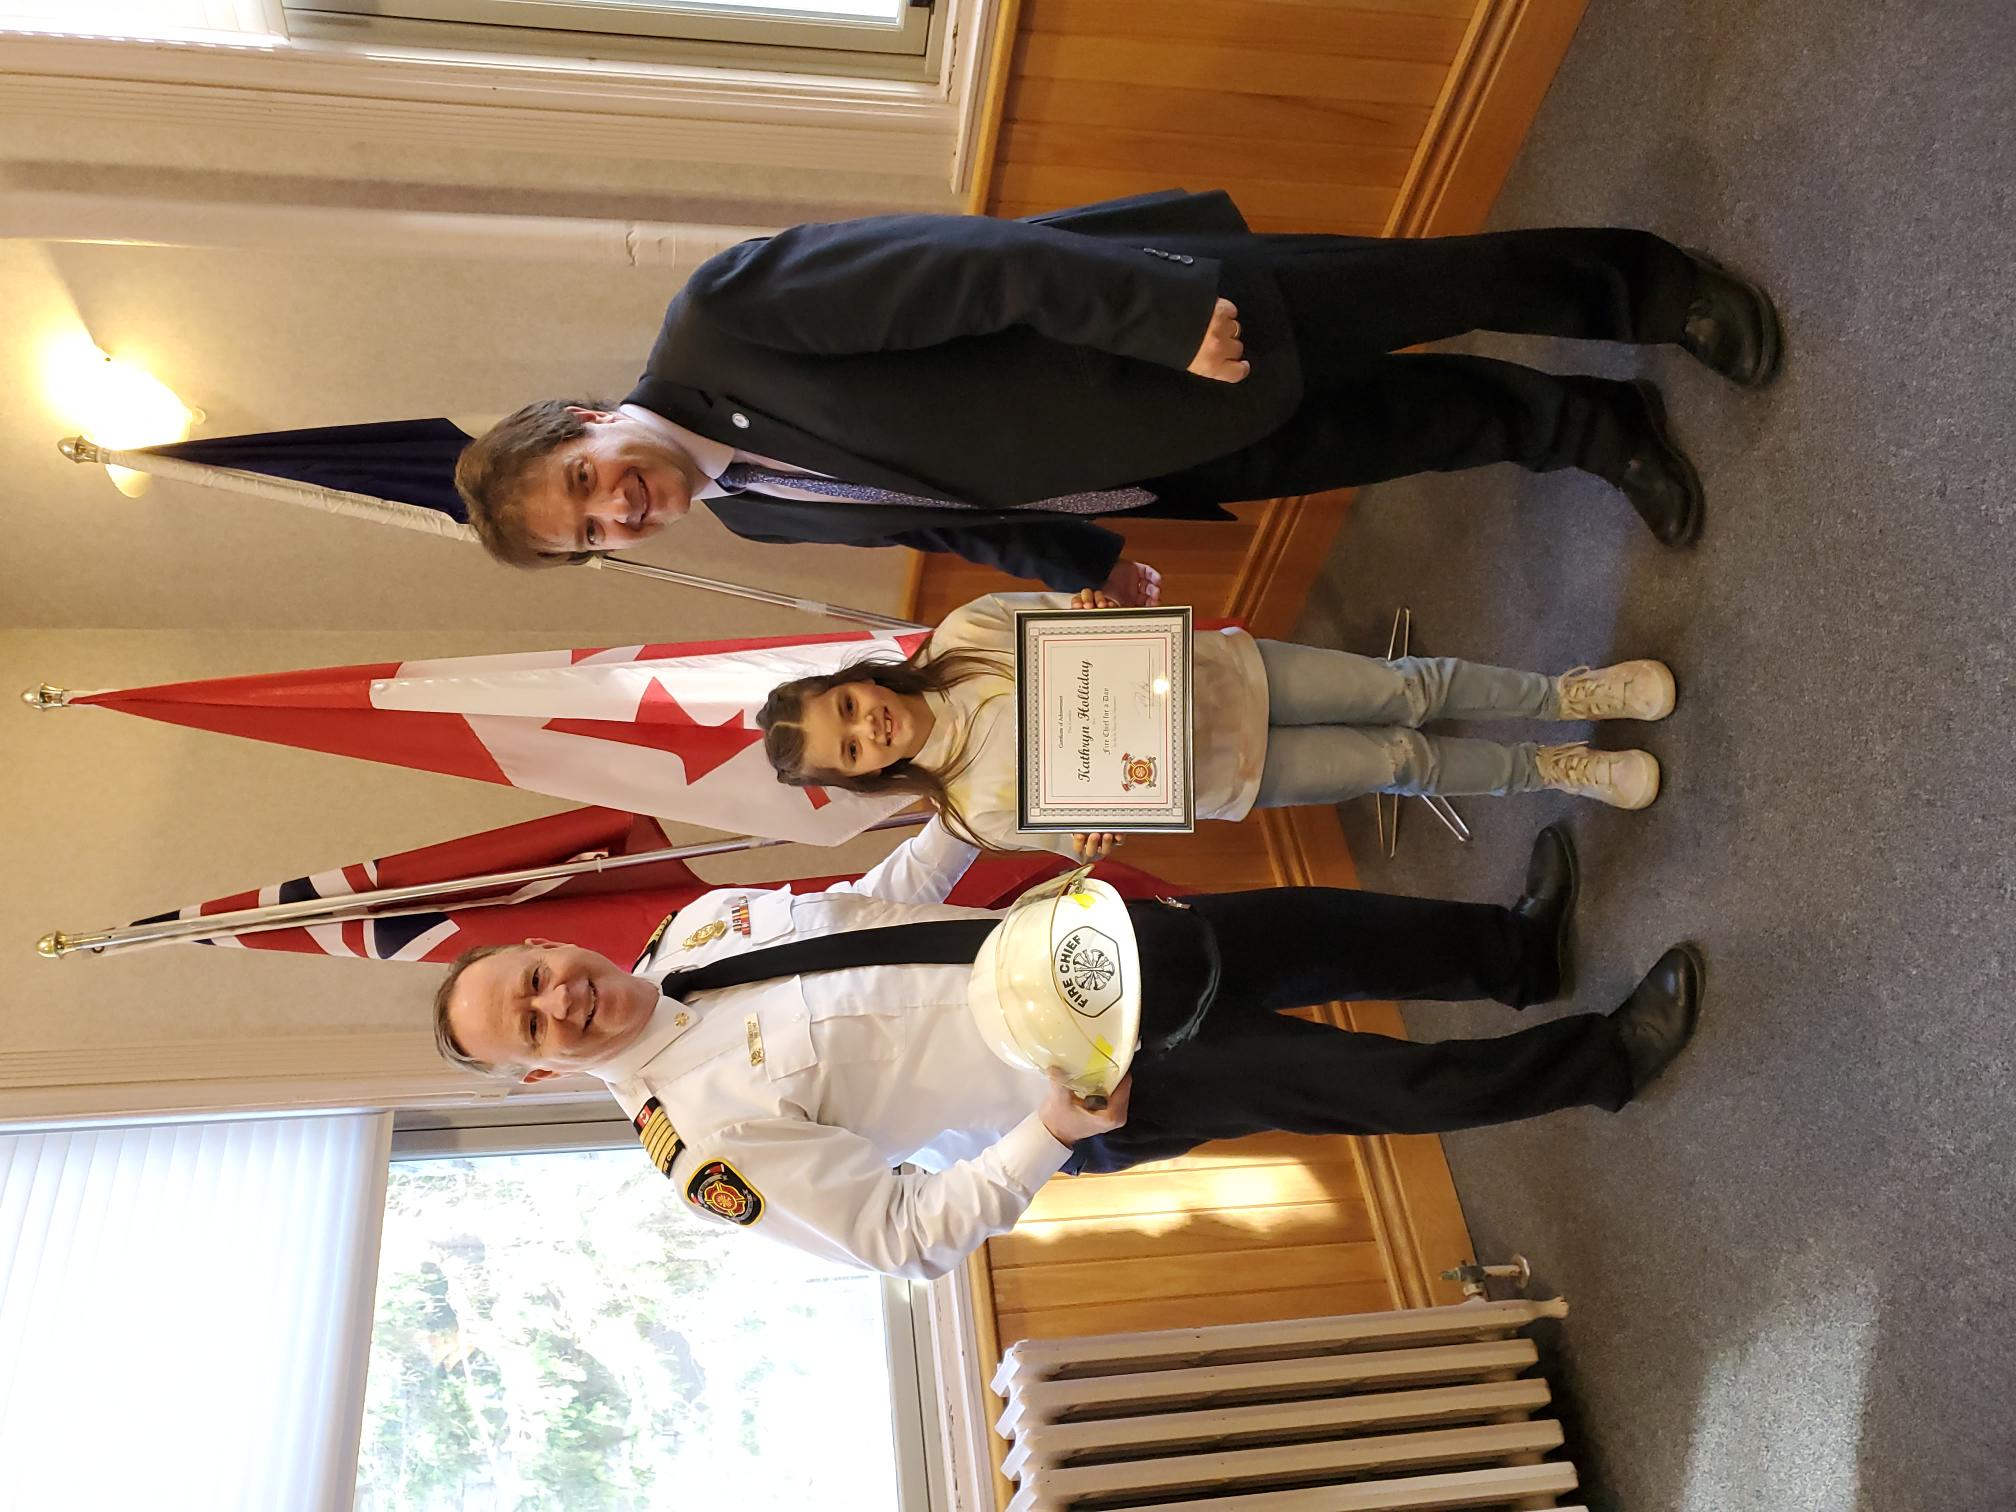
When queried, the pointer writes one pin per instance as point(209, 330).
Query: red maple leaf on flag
point(662, 723)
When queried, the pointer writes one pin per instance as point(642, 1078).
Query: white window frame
point(903, 50)
point(908, 1307)
point(734, 114)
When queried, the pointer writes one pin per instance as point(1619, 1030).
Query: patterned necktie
point(743, 477)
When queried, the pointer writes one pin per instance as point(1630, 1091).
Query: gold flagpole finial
point(46, 697)
point(52, 945)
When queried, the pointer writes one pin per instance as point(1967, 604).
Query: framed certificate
point(1103, 719)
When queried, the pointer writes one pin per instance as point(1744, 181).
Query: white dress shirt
point(714, 457)
point(972, 740)
point(795, 1098)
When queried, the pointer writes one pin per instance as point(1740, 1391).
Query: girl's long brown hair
point(781, 721)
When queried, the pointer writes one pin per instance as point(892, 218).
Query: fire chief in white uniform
point(787, 1100)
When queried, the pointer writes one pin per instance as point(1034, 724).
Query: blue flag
point(406, 461)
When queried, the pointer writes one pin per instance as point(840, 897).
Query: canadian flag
point(663, 730)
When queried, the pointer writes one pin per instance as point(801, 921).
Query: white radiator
point(1369, 1412)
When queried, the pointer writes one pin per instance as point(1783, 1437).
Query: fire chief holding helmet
point(782, 1055)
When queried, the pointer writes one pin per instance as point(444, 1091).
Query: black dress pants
point(1248, 1068)
point(1370, 412)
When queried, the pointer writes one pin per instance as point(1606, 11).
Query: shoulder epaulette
point(652, 943)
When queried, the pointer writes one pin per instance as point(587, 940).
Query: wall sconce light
point(116, 403)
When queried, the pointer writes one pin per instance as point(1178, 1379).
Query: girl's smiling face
point(860, 728)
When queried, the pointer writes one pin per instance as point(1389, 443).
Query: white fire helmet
point(1057, 985)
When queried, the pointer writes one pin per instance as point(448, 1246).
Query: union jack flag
point(612, 912)
point(615, 913)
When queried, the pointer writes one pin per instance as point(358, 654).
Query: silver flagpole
point(432, 522)
point(385, 902)
point(760, 595)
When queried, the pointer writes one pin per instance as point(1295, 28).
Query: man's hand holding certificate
point(1104, 719)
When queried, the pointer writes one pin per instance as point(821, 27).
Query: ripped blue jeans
point(1340, 725)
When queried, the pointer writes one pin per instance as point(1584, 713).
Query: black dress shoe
point(1658, 1019)
point(1658, 479)
point(1549, 900)
point(1732, 326)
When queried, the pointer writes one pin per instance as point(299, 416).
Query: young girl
point(1276, 724)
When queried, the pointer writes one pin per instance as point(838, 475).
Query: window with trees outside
point(556, 1331)
point(551, 1327)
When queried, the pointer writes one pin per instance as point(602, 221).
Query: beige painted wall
point(104, 818)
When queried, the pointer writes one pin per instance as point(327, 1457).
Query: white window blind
point(185, 1312)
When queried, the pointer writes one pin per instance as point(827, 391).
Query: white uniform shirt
point(972, 740)
point(793, 1099)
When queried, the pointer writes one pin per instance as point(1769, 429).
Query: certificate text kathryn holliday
point(1085, 721)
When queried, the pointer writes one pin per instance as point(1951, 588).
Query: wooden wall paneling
point(1264, 69)
point(1119, 105)
point(1329, 1217)
point(1210, 159)
point(1290, 545)
point(1350, 208)
point(1257, 569)
point(1428, 33)
point(1225, 1305)
point(1071, 1287)
point(1311, 113)
point(1495, 87)
point(1229, 1179)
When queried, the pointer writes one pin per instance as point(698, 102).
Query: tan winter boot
point(1628, 690)
point(1622, 779)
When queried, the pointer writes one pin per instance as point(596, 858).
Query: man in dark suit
point(990, 387)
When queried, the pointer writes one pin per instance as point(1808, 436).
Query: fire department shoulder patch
point(718, 1188)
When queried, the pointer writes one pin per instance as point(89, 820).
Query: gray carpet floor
point(1790, 1266)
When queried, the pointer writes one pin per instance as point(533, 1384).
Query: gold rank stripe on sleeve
point(660, 1140)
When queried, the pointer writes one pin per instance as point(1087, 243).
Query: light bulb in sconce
point(115, 403)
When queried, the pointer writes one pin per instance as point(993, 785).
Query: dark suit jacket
point(983, 361)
